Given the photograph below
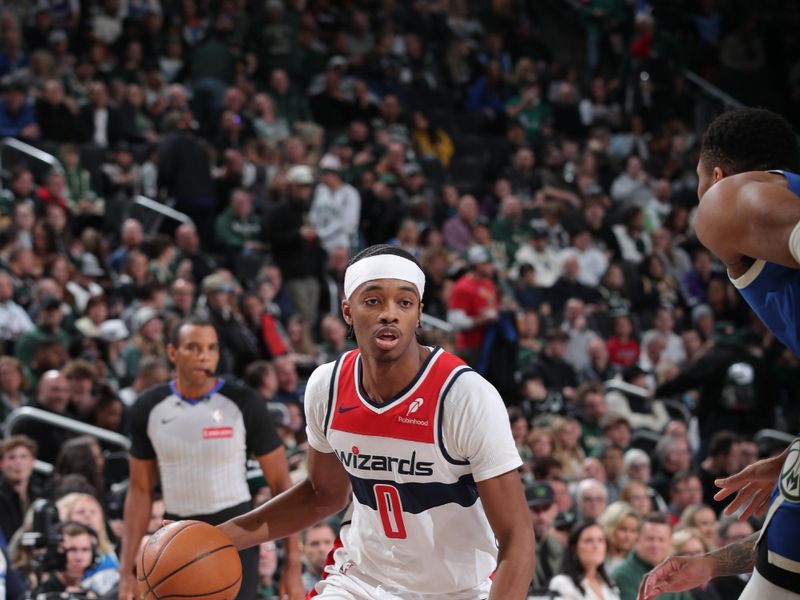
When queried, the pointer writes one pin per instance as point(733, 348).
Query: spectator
point(431, 142)
point(549, 552)
point(56, 114)
point(184, 171)
point(634, 242)
point(238, 228)
point(652, 547)
point(238, 347)
point(722, 461)
point(290, 388)
point(730, 531)
point(17, 115)
point(567, 450)
point(335, 208)
point(103, 575)
point(583, 574)
point(590, 499)
point(474, 305)
point(14, 320)
point(100, 122)
point(623, 349)
point(592, 262)
point(82, 377)
point(685, 490)
point(639, 409)
point(620, 522)
point(457, 230)
point(674, 456)
point(703, 518)
point(152, 372)
point(48, 329)
point(317, 541)
point(19, 486)
point(556, 373)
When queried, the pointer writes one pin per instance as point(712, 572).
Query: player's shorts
point(759, 588)
point(352, 586)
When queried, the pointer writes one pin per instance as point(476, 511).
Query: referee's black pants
point(248, 557)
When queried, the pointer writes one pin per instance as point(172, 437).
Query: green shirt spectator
point(529, 109)
point(238, 227)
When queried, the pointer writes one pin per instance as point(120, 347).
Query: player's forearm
point(736, 558)
point(516, 561)
point(136, 516)
point(286, 514)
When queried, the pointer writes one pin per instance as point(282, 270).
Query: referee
point(195, 433)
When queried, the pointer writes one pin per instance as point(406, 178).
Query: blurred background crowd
point(226, 158)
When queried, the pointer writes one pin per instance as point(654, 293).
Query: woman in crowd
point(621, 523)
point(689, 541)
point(703, 518)
point(637, 495)
point(567, 450)
point(583, 574)
point(82, 456)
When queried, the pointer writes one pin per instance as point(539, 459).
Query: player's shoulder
point(467, 385)
point(152, 396)
point(319, 382)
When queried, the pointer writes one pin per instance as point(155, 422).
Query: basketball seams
point(219, 591)
point(161, 550)
point(191, 562)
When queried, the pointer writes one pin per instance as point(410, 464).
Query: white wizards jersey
point(418, 525)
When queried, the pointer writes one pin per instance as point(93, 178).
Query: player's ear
point(717, 173)
point(348, 318)
point(171, 353)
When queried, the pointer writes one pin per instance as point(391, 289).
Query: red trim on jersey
point(410, 419)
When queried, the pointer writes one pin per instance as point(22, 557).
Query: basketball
point(189, 559)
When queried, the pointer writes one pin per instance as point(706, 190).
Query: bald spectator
point(52, 395)
point(457, 230)
point(568, 286)
point(591, 499)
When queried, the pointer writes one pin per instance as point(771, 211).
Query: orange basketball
point(189, 559)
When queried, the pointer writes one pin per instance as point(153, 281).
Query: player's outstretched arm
point(681, 573)
point(743, 216)
point(324, 492)
point(503, 501)
point(752, 486)
point(136, 515)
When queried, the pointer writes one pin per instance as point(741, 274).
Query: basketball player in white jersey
point(423, 445)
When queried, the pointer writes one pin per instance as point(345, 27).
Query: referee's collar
point(217, 386)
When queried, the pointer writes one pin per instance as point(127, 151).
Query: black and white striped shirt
point(201, 445)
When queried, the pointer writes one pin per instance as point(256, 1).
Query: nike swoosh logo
point(165, 421)
point(344, 409)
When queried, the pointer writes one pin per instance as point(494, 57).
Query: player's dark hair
point(571, 565)
point(192, 320)
point(750, 139)
point(380, 249)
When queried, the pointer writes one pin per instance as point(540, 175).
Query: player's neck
point(382, 381)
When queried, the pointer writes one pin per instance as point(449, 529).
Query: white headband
point(383, 266)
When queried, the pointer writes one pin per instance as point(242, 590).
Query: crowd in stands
point(551, 208)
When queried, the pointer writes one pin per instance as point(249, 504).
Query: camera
point(44, 538)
